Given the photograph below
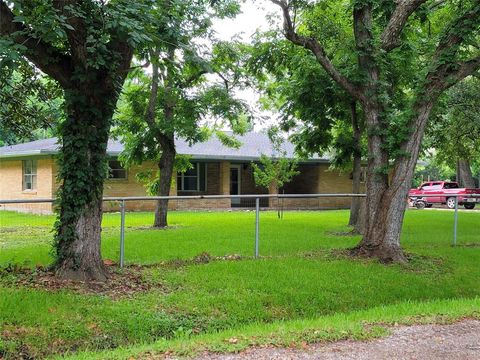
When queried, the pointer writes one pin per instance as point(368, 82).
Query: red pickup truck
point(439, 192)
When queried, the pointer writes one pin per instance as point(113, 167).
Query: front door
point(235, 179)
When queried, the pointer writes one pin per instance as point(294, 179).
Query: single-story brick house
point(28, 171)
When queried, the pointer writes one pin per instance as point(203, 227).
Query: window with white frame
point(194, 179)
point(29, 175)
point(116, 171)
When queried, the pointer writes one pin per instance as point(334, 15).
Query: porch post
point(224, 184)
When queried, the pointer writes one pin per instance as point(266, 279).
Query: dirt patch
point(203, 258)
point(123, 283)
point(459, 341)
point(469, 245)
point(351, 233)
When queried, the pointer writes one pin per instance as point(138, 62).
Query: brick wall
point(11, 184)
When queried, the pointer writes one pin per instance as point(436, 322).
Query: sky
point(253, 17)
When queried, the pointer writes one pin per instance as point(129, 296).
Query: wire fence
point(224, 226)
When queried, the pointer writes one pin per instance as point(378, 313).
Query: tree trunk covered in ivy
point(464, 174)
point(82, 170)
point(357, 169)
point(89, 56)
point(165, 166)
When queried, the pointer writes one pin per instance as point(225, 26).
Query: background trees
point(455, 131)
point(31, 105)
point(407, 54)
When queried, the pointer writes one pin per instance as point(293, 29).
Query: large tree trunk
point(464, 174)
point(357, 170)
point(83, 169)
point(384, 212)
point(165, 167)
point(386, 202)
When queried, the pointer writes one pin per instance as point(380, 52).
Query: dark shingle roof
point(253, 145)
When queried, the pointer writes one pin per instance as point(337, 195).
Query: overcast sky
point(253, 17)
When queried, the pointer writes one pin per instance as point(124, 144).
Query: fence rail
point(196, 197)
point(250, 196)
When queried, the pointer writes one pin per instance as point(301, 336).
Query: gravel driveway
point(457, 341)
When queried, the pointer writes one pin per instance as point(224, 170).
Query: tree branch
point(119, 45)
point(314, 46)
point(191, 79)
point(390, 38)
point(447, 71)
point(462, 70)
point(44, 56)
point(152, 101)
point(76, 37)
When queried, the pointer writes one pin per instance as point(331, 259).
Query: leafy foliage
point(273, 172)
point(28, 101)
point(455, 133)
point(312, 107)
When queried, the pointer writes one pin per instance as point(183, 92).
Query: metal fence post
point(455, 222)
point(257, 223)
point(122, 234)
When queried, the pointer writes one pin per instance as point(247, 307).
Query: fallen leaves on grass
point(203, 258)
point(121, 283)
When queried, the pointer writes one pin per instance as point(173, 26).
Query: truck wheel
point(451, 203)
point(469, 206)
point(420, 205)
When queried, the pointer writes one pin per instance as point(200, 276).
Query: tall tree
point(407, 54)
point(177, 96)
point(86, 47)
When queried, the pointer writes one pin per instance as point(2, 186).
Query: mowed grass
point(299, 278)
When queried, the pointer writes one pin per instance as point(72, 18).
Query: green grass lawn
point(299, 283)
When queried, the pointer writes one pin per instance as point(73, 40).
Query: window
point(29, 174)
point(451, 186)
point(116, 171)
point(194, 179)
point(427, 186)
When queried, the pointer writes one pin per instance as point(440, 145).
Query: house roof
point(253, 145)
